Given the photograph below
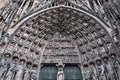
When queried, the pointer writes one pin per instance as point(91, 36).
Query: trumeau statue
point(19, 71)
point(108, 69)
point(4, 66)
point(100, 71)
point(60, 73)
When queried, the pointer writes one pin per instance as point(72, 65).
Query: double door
point(71, 72)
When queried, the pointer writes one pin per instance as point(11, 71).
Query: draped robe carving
point(4, 66)
point(100, 71)
point(33, 73)
point(87, 73)
point(60, 75)
point(27, 73)
point(109, 71)
point(93, 72)
point(10, 72)
point(19, 71)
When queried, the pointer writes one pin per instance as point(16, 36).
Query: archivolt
point(80, 10)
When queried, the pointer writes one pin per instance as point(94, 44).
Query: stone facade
point(60, 32)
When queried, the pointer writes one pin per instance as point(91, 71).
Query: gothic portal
point(59, 40)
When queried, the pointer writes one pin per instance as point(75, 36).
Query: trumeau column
point(60, 73)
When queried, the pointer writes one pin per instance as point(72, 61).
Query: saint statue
point(116, 66)
point(19, 70)
point(100, 71)
point(33, 73)
point(11, 69)
point(27, 72)
point(87, 72)
point(10, 72)
point(60, 73)
point(4, 66)
point(93, 72)
point(108, 69)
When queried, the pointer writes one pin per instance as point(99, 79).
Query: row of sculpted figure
point(17, 69)
point(108, 69)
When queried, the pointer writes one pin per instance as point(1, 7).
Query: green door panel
point(72, 72)
point(48, 73)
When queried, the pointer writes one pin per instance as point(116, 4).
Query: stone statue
point(27, 72)
point(100, 71)
point(60, 73)
point(4, 39)
point(87, 72)
point(19, 71)
point(93, 75)
point(108, 69)
point(33, 73)
point(4, 66)
point(11, 70)
point(116, 66)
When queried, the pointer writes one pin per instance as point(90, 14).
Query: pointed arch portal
point(85, 35)
point(78, 24)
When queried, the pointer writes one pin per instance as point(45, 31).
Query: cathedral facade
point(59, 40)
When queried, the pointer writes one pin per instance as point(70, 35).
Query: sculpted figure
point(60, 73)
point(27, 72)
point(108, 69)
point(4, 39)
point(11, 70)
point(116, 66)
point(87, 72)
point(19, 70)
point(93, 72)
point(33, 74)
point(4, 66)
point(100, 70)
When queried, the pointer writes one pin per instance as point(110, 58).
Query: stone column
point(60, 73)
